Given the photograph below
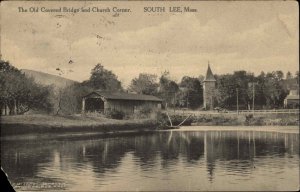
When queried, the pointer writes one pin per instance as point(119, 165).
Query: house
point(103, 102)
point(292, 100)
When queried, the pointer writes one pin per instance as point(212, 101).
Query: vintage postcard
point(150, 95)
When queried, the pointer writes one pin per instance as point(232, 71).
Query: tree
point(191, 92)
point(201, 78)
point(226, 91)
point(168, 89)
point(144, 84)
point(260, 98)
point(297, 75)
point(228, 85)
point(103, 79)
point(68, 100)
point(19, 93)
point(274, 89)
point(289, 75)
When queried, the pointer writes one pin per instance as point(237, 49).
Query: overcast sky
point(251, 36)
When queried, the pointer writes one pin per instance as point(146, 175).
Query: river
point(184, 160)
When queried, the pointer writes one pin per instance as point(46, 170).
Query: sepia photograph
point(149, 95)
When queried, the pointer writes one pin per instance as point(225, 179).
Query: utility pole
point(253, 99)
point(237, 100)
point(212, 103)
point(174, 101)
point(187, 100)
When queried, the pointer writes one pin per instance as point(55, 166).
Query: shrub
point(177, 119)
point(162, 119)
point(251, 120)
point(216, 120)
point(248, 119)
point(144, 112)
point(115, 114)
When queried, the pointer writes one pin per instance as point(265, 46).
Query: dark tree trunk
point(22, 108)
point(15, 107)
point(59, 106)
point(5, 110)
point(18, 107)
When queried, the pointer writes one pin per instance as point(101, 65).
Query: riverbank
point(42, 124)
point(278, 129)
point(231, 119)
point(47, 126)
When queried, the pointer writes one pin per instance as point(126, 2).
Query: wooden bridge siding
point(129, 106)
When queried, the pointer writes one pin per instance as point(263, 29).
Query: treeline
point(20, 94)
point(187, 93)
point(268, 90)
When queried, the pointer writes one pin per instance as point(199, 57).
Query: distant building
point(209, 87)
point(292, 100)
point(103, 102)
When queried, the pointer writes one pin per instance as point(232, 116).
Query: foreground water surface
point(168, 160)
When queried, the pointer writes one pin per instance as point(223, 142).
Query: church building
point(209, 86)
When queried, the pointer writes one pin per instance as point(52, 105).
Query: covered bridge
point(103, 102)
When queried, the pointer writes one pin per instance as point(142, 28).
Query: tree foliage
point(144, 84)
point(268, 89)
point(233, 86)
point(274, 90)
point(289, 75)
point(168, 89)
point(103, 79)
point(191, 93)
point(19, 93)
point(69, 99)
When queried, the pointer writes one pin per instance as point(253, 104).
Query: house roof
point(125, 96)
point(209, 75)
point(292, 97)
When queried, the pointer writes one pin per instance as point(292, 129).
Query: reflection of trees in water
point(20, 160)
point(195, 149)
point(146, 150)
point(107, 154)
point(237, 151)
point(176, 144)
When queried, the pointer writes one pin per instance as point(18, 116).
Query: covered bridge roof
point(125, 96)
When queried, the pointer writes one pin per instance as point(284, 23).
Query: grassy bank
point(78, 124)
point(26, 124)
point(224, 119)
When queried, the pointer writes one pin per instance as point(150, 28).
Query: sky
point(251, 36)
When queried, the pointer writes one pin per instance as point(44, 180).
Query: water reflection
point(180, 158)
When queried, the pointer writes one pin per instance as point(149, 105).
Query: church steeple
point(209, 75)
point(209, 86)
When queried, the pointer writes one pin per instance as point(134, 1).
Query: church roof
point(209, 75)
